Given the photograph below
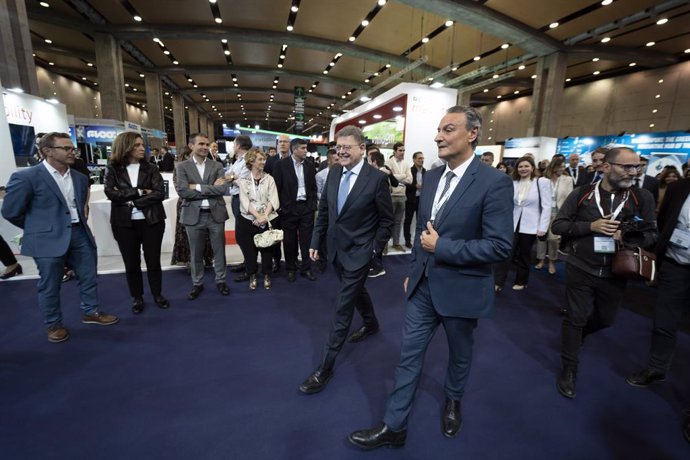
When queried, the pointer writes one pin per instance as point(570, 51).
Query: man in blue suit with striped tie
point(464, 224)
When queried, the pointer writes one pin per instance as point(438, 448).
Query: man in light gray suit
point(201, 184)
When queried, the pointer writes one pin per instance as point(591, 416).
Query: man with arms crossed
point(356, 216)
point(50, 204)
point(464, 225)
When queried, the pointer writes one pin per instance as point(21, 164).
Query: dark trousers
point(672, 303)
point(246, 240)
point(352, 294)
point(6, 256)
point(297, 230)
point(522, 250)
point(410, 210)
point(276, 251)
point(131, 240)
point(593, 303)
point(81, 256)
point(235, 207)
point(421, 321)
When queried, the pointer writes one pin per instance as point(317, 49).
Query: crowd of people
point(474, 221)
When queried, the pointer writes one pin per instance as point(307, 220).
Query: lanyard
point(597, 197)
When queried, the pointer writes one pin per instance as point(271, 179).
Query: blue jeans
point(82, 258)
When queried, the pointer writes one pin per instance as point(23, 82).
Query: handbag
point(268, 238)
point(633, 263)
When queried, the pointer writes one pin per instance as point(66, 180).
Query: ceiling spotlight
point(289, 28)
point(365, 98)
point(606, 39)
point(568, 79)
point(294, 9)
point(657, 96)
point(48, 41)
point(212, 1)
point(662, 21)
point(226, 52)
point(496, 75)
point(595, 60)
point(476, 58)
point(499, 96)
point(176, 62)
point(366, 80)
point(282, 56)
point(486, 90)
point(425, 40)
point(397, 108)
point(331, 64)
point(343, 97)
point(218, 20)
point(606, 2)
point(45, 4)
point(166, 52)
point(361, 122)
point(134, 89)
point(596, 72)
point(454, 68)
point(365, 23)
point(522, 67)
point(51, 63)
point(661, 81)
point(449, 23)
point(654, 111)
point(190, 80)
point(377, 116)
point(534, 77)
point(352, 38)
point(553, 25)
point(632, 64)
point(325, 72)
point(650, 44)
point(436, 84)
point(687, 51)
point(142, 75)
point(280, 66)
point(223, 40)
point(505, 46)
point(195, 85)
point(516, 92)
point(381, 2)
point(137, 18)
point(234, 78)
point(126, 85)
point(651, 125)
point(274, 86)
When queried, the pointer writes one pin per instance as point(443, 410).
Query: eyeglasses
point(344, 148)
point(66, 149)
point(627, 168)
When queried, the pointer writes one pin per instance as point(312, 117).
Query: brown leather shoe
point(100, 318)
point(57, 334)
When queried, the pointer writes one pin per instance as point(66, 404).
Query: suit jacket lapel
point(195, 172)
point(142, 174)
point(433, 177)
point(51, 183)
point(207, 170)
point(460, 190)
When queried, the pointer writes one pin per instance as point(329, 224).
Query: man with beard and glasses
point(593, 221)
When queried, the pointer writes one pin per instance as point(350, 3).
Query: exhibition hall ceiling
point(239, 60)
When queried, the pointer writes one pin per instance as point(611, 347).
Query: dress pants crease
point(197, 239)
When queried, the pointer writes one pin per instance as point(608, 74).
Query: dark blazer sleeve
point(152, 180)
point(384, 206)
point(117, 189)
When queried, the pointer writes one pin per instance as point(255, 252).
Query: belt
point(76, 224)
point(205, 210)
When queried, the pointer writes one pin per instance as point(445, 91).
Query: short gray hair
point(352, 131)
point(474, 120)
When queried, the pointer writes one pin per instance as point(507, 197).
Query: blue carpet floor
point(217, 379)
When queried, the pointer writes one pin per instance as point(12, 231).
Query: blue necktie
point(344, 190)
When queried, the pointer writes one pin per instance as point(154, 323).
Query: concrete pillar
point(111, 80)
point(464, 98)
point(193, 115)
point(154, 101)
point(203, 124)
point(17, 67)
point(178, 121)
point(210, 129)
point(547, 95)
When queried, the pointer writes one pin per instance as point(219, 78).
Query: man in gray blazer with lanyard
point(464, 225)
point(356, 217)
point(201, 185)
point(49, 203)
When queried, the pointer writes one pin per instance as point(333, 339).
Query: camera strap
point(597, 198)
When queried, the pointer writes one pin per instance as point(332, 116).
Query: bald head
point(284, 145)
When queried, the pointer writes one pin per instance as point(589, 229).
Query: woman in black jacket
point(135, 188)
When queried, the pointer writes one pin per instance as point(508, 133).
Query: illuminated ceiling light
point(137, 18)
point(595, 60)
point(553, 25)
point(662, 21)
point(486, 90)
point(167, 93)
point(227, 52)
point(534, 77)
point(331, 64)
point(516, 92)
point(48, 41)
point(596, 72)
point(325, 72)
point(365, 98)
point(376, 74)
point(134, 89)
point(496, 75)
point(606, 2)
point(657, 96)
point(234, 78)
point(176, 62)
point(333, 115)
point(425, 40)
point(632, 64)
point(83, 78)
point(476, 58)
point(223, 40)
point(218, 20)
point(650, 44)
point(126, 85)
point(522, 67)
point(282, 56)
point(654, 111)
point(505, 46)
point(361, 122)
point(142, 75)
point(651, 125)
point(190, 80)
point(436, 84)
point(166, 52)
point(397, 108)
point(280, 66)
point(499, 96)
point(289, 28)
point(454, 68)
point(661, 81)
point(687, 51)
point(352, 38)
point(449, 23)
point(365, 23)
point(51, 63)
point(381, 2)
point(294, 9)
point(377, 117)
point(235, 85)
point(274, 86)
point(343, 97)
point(212, 1)
point(237, 125)
point(366, 80)
point(196, 86)
point(568, 79)
point(45, 4)
point(606, 39)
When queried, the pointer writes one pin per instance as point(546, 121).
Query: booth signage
point(300, 98)
point(93, 134)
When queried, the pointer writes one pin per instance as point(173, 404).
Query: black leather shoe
point(17, 270)
point(275, 267)
point(223, 288)
point(362, 333)
point(566, 383)
point(316, 382)
point(242, 278)
point(378, 436)
point(161, 301)
point(309, 275)
point(237, 268)
point(645, 378)
point(194, 293)
point(292, 277)
point(137, 305)
point(451, 419)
